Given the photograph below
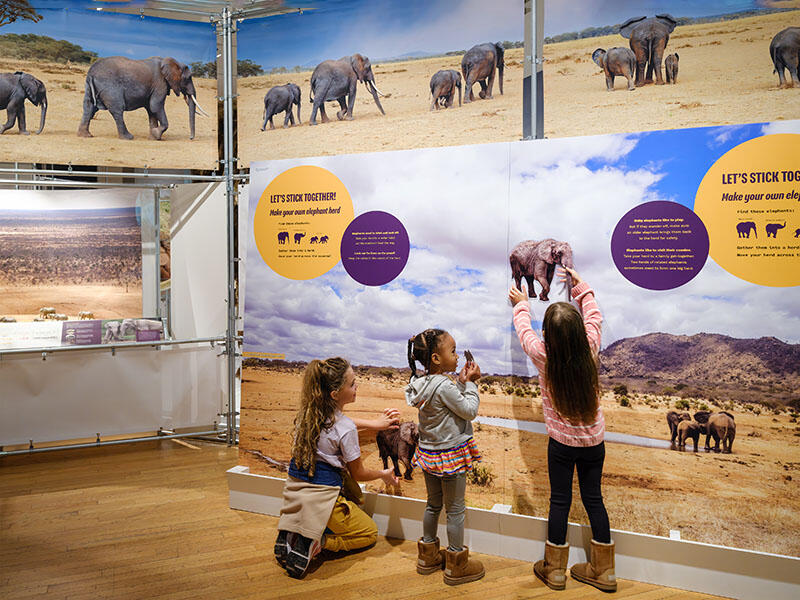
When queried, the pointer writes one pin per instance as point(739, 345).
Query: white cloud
point(781, 127)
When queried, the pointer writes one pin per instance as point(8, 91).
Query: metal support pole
point(533, 83)
point(230, 194)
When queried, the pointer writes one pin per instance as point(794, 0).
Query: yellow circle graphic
point(749, 201)
point(299, 222)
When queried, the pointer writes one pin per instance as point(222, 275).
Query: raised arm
point(389, 419)
point(532, 345)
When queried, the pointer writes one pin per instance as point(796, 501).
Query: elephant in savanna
point(15, 88)
point(671, 67)
point(719, 425)
point(338, 80)
point(772, 228)
point(785, 52)
point(118, 84)
point(478, 65)
point(134, 325)
point(688, 430)
point(281, 98)
point(648, 40)
point(399, 445)
point(443, 88)
point(673, 418)
point(537, 260)
point(744, 228)
point(616, 61)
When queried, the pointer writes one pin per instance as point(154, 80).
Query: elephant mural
point(616, 61)
point(281, 98)
point(478, 65)
point(785, 52)
point(648, 40)
point(537, 260)
point(15, 88)
point(338, 80)
point(745, 227)
point(719, 425)
point(688, 430)
point(443, 88)
point(673, 418)
point(399, 445)
point(772, 229)
point(118, 84)
point(671, 67)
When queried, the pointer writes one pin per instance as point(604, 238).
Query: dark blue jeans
point(561, 463)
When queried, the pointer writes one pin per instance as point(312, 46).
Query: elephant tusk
point(199, 108)
point(375, 87)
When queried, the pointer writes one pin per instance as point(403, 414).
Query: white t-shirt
point(338, 445)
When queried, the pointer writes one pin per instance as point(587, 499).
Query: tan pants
point(349, 527)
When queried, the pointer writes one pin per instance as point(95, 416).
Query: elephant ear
point(701, 416)
point(627, 27)
point(171, 71)
point(34, 89)
point(668, 20)
point(544, 250)
point(360, 66)
point(407, 431)
point(598, 56)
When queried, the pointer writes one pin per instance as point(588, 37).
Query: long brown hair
point(316, 408)
point(571, 366)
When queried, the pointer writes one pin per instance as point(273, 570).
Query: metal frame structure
point(224, 16)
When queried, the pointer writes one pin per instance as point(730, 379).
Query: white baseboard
point(694, 566)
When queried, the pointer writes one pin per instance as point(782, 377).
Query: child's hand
point(388, 477)
point(473, 371)
point(576, 279)
point(515, 296)
point(390, 419)
point(462, 375)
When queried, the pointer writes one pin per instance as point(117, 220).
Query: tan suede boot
point(599, 571)
point(459, 568)
point(553, 569)
point(429, 557)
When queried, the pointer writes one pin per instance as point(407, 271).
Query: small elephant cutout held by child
point(399, 445)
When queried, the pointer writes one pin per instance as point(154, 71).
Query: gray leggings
point(451, 488)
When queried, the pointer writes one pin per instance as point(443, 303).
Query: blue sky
point(380, 29)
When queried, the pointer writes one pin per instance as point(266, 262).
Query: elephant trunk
point(192, 110)
point(44, 115)
point(374, 91)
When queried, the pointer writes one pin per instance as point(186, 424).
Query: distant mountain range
point(705, 358)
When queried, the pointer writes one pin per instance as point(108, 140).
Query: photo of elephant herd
point(73, 261)
point(737, 397)
point(403, 113)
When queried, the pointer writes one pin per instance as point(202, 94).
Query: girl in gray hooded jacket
point(446, 449)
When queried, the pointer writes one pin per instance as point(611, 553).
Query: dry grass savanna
point(725, 77)
point(59, 142)
point(748, 499)
point(70, 261)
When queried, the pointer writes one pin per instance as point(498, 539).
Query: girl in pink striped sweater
point(567, 363)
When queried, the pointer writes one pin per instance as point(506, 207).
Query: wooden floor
point(151, 520)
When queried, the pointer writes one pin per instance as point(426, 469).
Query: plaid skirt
point(449, 461)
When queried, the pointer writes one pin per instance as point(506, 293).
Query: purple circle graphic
point(375, 248)
point(659, 245)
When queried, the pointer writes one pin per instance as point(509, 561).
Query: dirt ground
point(104, 301)
point(725, 77)
point(748, 499)
point(58, 143)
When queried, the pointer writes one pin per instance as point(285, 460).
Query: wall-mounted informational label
point(659, 245)
point(375, 248)
point(299, 222)
point(750, 203)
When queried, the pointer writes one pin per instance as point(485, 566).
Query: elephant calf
point(616, 61)
point(15, 88)
point(784, 50)
point(399, 445)
point(443, 88)
point(671, 67)
point(673, 419)
point(688, 430)
point(281, 98)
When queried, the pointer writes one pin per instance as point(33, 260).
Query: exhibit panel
point(684, 331)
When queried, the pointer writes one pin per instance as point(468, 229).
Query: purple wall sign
point(81, 333)
point(374, 248)
point(659, 245)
